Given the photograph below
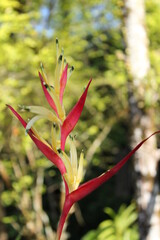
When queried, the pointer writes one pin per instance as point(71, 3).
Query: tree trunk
point(142, 119)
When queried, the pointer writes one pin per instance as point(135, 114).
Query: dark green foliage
point(121, 225)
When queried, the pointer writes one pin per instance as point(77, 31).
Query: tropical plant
point(61, 127)
point(121, 225)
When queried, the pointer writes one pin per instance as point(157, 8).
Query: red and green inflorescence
point(70, 168)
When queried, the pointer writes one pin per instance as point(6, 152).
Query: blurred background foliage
point(120, 226)
point(91, 33)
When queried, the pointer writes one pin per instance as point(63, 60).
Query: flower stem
point(66, 208)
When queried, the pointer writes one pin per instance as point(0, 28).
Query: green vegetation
point(121, 225)
point(91, 33)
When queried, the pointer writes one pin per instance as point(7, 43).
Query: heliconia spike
point(73, 117)
point(47, 95)
point(93, 184)
point(71, 171)
point(63, 82)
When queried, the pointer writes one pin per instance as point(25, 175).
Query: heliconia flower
point(70, 168)
point(72, 175)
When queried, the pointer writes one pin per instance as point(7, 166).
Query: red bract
point(73, 117)
point(63, 82)
point(47, 95)
point(45, 149)
point(88, 187)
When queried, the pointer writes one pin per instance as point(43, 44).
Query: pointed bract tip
point(89, 82)
point(40, 75)
point(9, 106)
